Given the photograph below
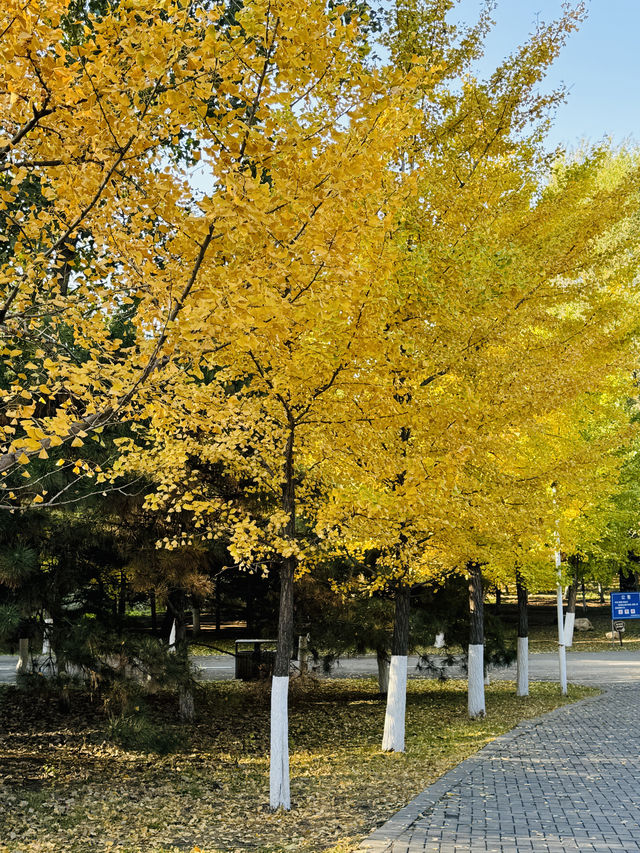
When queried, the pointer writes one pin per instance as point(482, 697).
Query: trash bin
point(256, 662)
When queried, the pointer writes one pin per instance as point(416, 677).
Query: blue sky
point(600, 64)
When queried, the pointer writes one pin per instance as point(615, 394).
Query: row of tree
point(313, 304)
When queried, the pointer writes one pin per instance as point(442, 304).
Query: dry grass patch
point(64, 786)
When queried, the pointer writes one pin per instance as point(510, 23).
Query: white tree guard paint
point(562, 651)
point(279, 796)
point(172, 637)
point(23, 655)
point(522, 666)
point(383, 675)
point(487, 679)
point(475, 689)
point(393, 737)
point(569, 623)
point(439, 641)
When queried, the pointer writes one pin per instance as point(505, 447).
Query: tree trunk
point(195, 619)
point(122, 595)
point(186, 708)
point(584, 597)
point(302, 653)
point(217, 603)
point(46, 637)
point(600, 594)
point(48, 666)
point(250, 616)
point(279, 795)
point(562, 651)
point(476, 704)
point(382, 659)
point(174, 616)
point(498, 598)
point(393, 738)
point(154, 614)
point(22, 667)
point(570, 614)
point(522, 684)
point(176, 604)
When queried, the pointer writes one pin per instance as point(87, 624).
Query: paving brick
point(569, 781)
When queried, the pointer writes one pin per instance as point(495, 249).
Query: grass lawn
point(66, 786)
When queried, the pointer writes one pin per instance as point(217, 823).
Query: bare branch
point(27, 128)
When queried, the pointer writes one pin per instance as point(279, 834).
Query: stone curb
point(382, 839)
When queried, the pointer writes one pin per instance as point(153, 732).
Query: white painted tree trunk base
point(439, 640)
point(172, 637)
point(475, 690)
point(522, 667)
point(569, 622)
point(279, 796)
point(562, 650)
point(393, 737)
point(562, 662)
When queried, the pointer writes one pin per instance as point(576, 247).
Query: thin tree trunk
point(279, 794)
point(177, 603)
point(382, 659)
point(154, 614)
point(394, 721)
point(175, 615)
point(50, 655)
point(476, 704)
point(570, 614)
point(498, 598)
point(249, 605)
point(522, 685)
point(195, 619)
point(217, 603)
point(46, 636)
point(122, 595)
point(562, 651)
point(584, 597)
point(22, 667)
point(600, 594)
point(302, 653)
point(186, 706)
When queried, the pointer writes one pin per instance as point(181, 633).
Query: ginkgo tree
point(340, 315)
point(546, 313)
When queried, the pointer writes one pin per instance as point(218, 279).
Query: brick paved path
point(568, 781)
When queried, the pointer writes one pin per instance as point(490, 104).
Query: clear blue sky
point(600, 64)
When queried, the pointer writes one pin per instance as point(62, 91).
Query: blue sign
point(625, 605)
